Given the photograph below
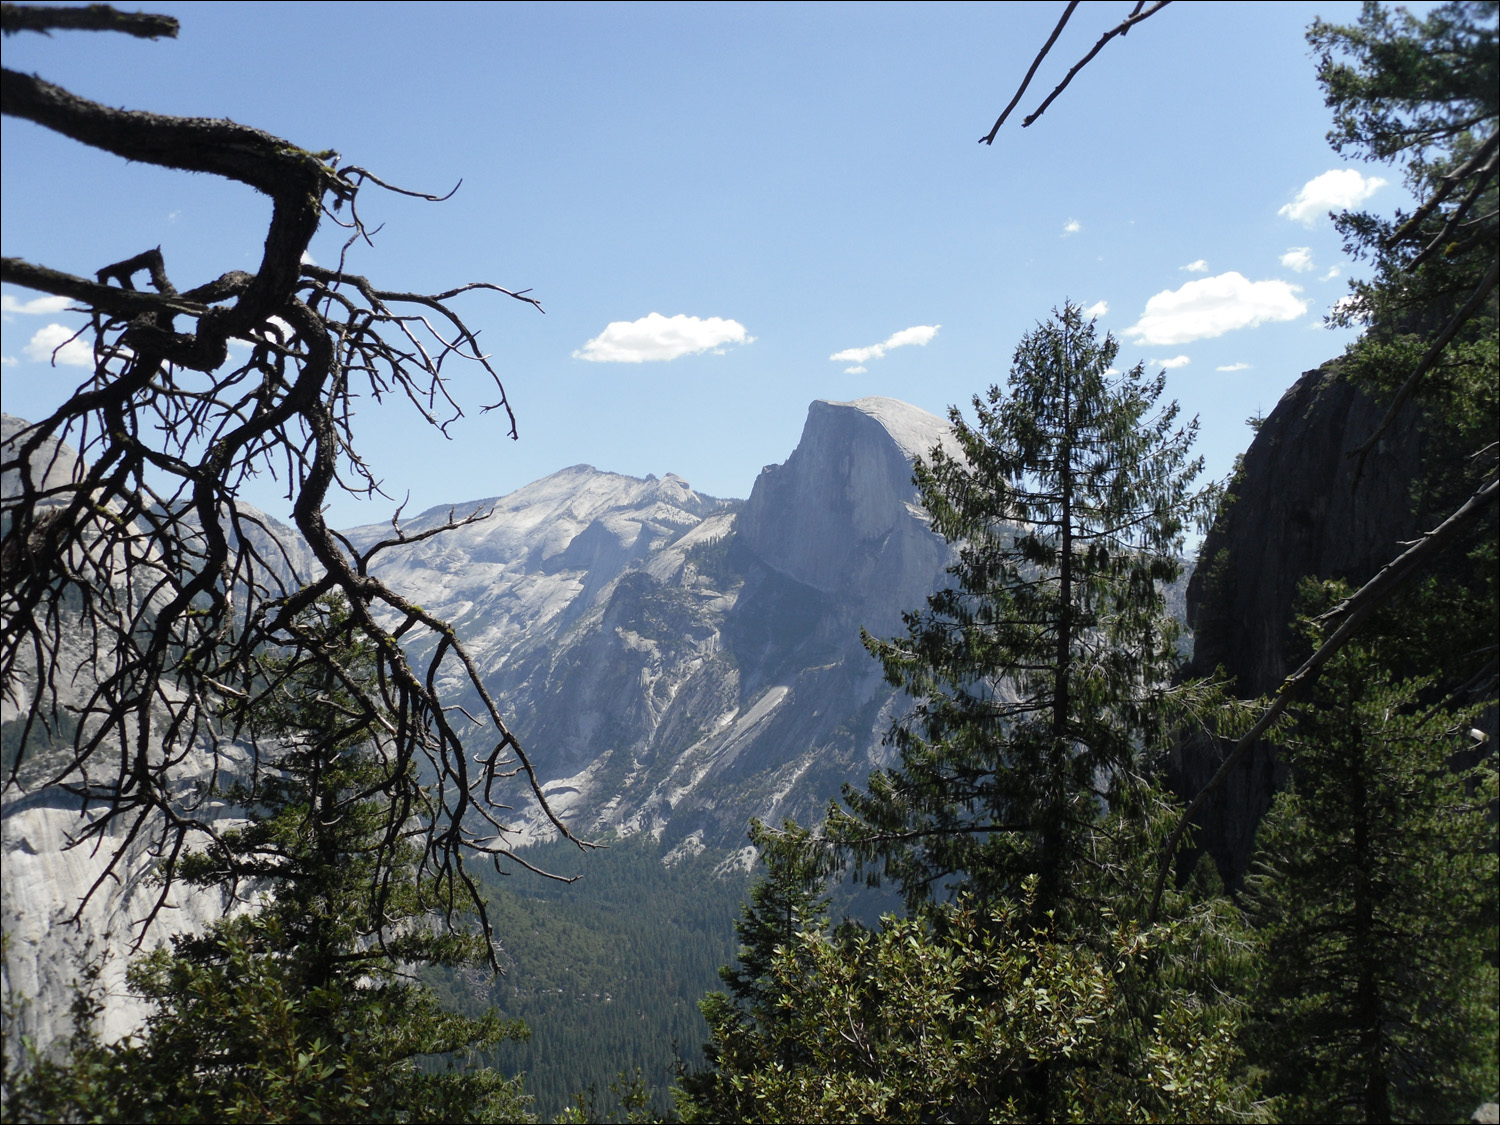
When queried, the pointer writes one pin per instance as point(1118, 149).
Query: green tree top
point(1041, 676)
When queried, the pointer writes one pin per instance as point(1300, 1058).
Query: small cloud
point(1201, 310)
point(1200, 266)
point(918, 334)
point(308, 259)
point(1169, 364)
point(1333, 272)
point(70, 351)
point(1073, 227)
point(1335, 190)
point(1099, 308)
point(657, 337)
point(1111, 370)
point(1233, 367)
point(8, 361)
point(37, 306)
point(857, 369)
point(1298, 258)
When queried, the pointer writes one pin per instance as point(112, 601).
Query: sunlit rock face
point(841, 515)
point(52, 935)
point(676, 663)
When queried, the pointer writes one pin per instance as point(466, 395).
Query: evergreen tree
point(1024, 792)
point(1041, 677)
point(304, 1006)
point(1374, 893)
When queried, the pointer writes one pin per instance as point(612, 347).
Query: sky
point(728, 211)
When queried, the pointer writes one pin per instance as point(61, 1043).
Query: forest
point(1021, 917)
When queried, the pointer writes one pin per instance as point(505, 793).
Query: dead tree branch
point(1136, 16)
point(142, 598)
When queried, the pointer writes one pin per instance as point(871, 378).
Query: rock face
point(841, 517)
point(677, 664)
point(45, 879)
point(1295, 511)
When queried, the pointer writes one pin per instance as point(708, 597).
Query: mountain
point(675, 663)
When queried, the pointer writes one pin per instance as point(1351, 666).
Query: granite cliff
point(1296, 508)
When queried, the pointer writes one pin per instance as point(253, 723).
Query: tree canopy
point(1042, 676)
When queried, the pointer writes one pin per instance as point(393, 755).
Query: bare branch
point(1136, 16)
point(96, 17)
point(142, 598)
point(989, 138)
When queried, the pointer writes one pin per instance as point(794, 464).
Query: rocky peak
point(841, 514)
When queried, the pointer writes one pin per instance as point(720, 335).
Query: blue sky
point(729, 211)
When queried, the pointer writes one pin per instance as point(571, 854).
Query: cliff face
point(841, 515)
point(1295, 511)
point(717, 673)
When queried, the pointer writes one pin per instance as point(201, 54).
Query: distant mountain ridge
point(674, 663)
point(677, 663)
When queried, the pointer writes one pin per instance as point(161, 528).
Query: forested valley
point(1087, 880)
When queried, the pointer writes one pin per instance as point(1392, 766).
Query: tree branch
point(96, 17)
point(1136, 16)
point(989, 138)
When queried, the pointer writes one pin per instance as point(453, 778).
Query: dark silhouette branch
point(96, 17)
point(1137, 15)
point(145, 607)
point(989, 138)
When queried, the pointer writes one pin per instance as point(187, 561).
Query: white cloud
point(1099, 308)
point(1201, 310)
point(1335, 190)
point(8, 361)
point(1233, 367)
point(1333, 272)
point(308, 259)
point(55, 337)
point(918, 334)
point(1200, 266)
point(1298, 258)
point(1073, 227)
point(657, 337)
point(857, 369)
point(37, 306)
point(1169, 364)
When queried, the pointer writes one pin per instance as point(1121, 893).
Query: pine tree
point(1024, 793)
point(1374, 894)
point(1041, 677)
point(303, 1004)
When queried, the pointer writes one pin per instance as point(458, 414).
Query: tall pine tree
point(1024, 792)
point(1373, 894)
point(1041, 677)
